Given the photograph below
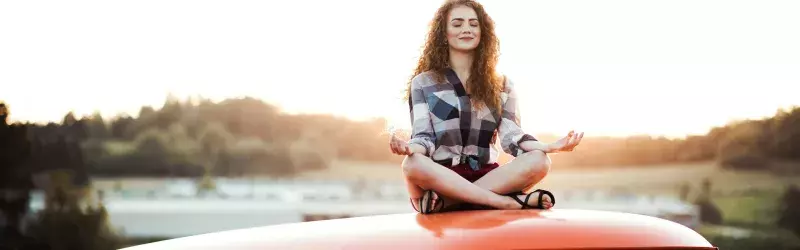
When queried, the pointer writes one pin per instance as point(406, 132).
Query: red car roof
point(486, 229)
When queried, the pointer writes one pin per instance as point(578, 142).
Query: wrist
point(418, 149)
point(548, 147)
point(536, 145)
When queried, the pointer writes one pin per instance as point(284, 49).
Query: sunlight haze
point(604, 67)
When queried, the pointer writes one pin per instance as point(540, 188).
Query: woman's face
point(463, 29)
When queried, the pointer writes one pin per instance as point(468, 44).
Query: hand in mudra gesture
point(398, 146)
point(567, 143)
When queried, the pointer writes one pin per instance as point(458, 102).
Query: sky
point(611, 68)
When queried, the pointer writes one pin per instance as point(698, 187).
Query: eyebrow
point(462, 19)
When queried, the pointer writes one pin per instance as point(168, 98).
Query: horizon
point(612, 68)
point(282, 112)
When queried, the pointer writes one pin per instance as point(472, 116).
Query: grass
point(353, 170)
point(756, 209)
point(119, 147)
point(657, 179)
point(762, 238)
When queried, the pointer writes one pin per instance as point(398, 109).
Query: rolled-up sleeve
point(509, 130)
point(422, 132)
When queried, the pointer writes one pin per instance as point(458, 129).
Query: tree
point(789, 217)
point(709, 212)
point(96, 126)
point(65, 224)
point(15, 175)
point(214, 141)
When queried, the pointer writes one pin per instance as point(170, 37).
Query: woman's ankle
point(505, 202)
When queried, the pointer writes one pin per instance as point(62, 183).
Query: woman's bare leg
point(415, 193)
point(519, 174)
point(426, 174)
point(522, 172)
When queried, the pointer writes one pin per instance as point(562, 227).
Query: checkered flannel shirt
point(444, 122)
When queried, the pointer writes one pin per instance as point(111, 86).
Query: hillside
point(246, 136)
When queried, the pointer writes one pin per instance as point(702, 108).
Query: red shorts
point(471, 175)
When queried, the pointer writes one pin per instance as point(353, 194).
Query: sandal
point(540, 205)
point(426, 203)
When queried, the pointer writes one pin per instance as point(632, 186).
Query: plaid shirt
point(444, 122)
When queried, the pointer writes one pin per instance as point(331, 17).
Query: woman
point(459, 107)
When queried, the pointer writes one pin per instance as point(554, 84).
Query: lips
point(466, 39)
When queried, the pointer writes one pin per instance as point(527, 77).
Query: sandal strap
point(540, 198)
point(412, 203)
point(524, 203)
point(542, 193)
point(426, 203)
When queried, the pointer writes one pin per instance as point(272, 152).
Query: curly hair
point(3, 108)
point(484, 85)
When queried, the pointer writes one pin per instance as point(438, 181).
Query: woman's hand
point(566, 144)
point(399, 147)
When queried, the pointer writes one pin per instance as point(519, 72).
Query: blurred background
point(132, 122)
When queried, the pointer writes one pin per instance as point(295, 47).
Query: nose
point(467, 29)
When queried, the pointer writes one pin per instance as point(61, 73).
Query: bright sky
point(604, 67)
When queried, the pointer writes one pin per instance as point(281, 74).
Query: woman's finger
point(393, 145)
point(580, 137)
point(575, 142)
point(563, 142)
point(568, 142)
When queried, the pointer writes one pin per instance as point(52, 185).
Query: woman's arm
point(422, 134)
point(513, 139)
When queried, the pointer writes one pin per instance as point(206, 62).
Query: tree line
point(246, 136)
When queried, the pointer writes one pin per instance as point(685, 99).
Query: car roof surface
point(481, 229)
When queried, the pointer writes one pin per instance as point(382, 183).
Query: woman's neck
point(461, 63)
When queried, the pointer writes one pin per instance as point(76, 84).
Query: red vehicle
point(483, 229)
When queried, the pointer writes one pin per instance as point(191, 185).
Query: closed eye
point(459, 21)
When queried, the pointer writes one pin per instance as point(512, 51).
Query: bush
point(709, 212)
point(753, 243)
point(744, 162)
point(789, 217)
point(74, 229)
point(70, 220)
point(756, 238)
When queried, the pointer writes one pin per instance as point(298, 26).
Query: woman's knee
point(414, 167)
point(535, 163)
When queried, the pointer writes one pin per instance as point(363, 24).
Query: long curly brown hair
point(484, 85)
